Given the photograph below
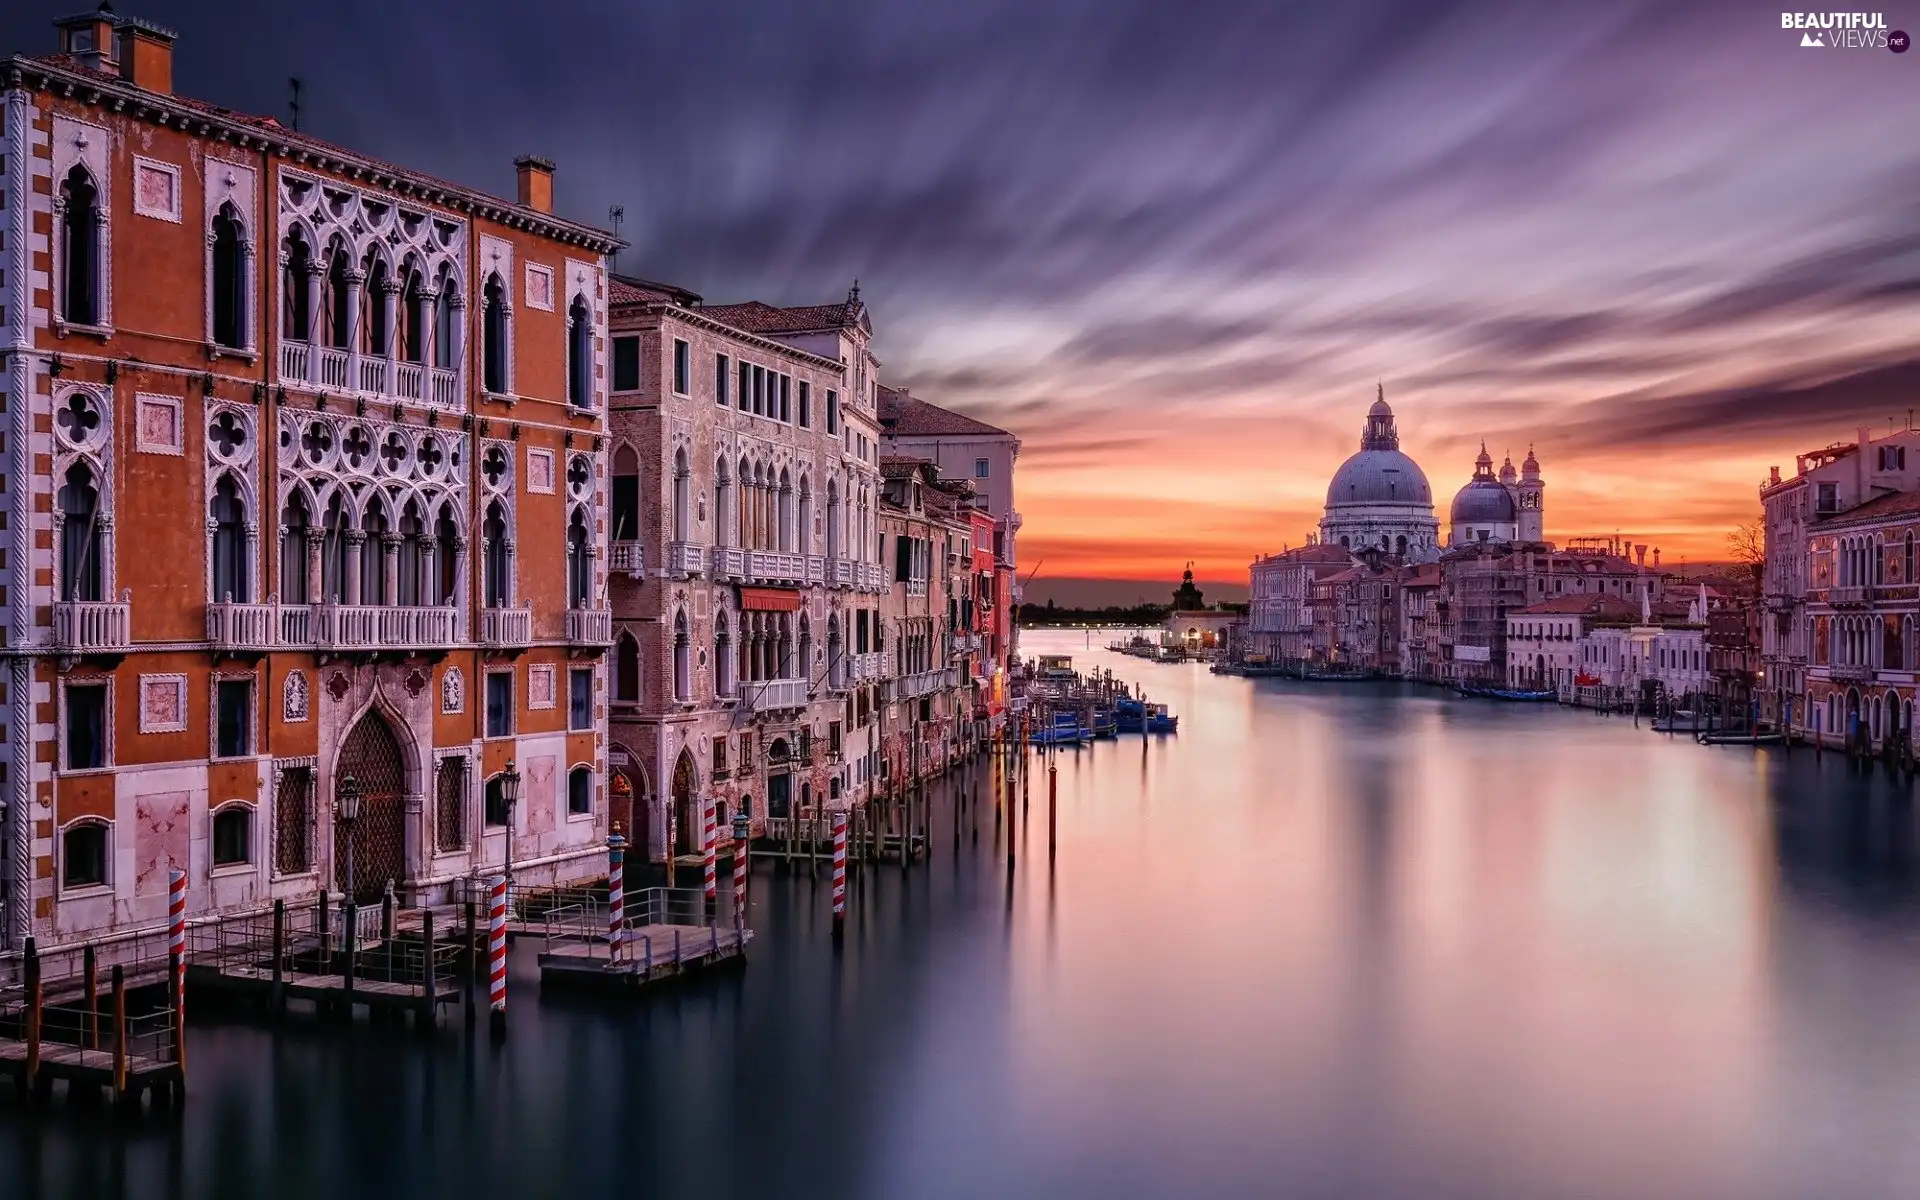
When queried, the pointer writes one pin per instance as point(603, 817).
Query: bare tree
point(1748, 541)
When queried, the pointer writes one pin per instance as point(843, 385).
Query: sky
point(1176, 247)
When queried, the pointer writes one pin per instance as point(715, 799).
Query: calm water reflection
point(1331, 940)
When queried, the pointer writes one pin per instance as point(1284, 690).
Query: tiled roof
point(755, 317)
point(1880, 508)
point(904, 415)
point(271, 128)
point(627, 289)
point(1586, 604)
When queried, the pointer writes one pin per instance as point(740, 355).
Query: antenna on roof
point(616, 214)
point(293, 104)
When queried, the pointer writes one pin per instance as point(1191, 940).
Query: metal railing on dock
point(666, 931)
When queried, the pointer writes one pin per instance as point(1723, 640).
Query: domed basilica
point(1379, 499)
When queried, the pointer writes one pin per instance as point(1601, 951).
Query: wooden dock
point(116, 1053)
point(667, 933)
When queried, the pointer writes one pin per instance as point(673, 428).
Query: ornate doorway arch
point(372, 755)
point(683, 831)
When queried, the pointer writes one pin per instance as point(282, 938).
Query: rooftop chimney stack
point(1640, 556)
point(146, 55)
point(89, 37)
point(536, 182)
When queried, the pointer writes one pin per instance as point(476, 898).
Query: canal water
point(1330, 940)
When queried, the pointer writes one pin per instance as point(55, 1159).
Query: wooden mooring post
point(349, 937)
point(839, 877)
point(277, 999)
point(429, 987)
point(119, 1022)
point(1053, 803)
point(90, 972)
point(497, 956)
point(32, 971)
point(177, 970)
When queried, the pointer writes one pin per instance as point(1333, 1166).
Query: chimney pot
point(536, 182)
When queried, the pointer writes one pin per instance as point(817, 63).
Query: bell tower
point(1533, 501)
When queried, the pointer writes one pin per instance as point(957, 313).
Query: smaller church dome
point(1483, 502)
point(1530, 469)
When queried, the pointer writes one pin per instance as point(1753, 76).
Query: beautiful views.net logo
point(1844, 31)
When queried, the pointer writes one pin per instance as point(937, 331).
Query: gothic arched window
point(296, 312)
point(231, 578)
point(412, 532)
point(79, 535)
point(722, 656)
point(493, 337)
point(498, 591)
point(446, 326)
point(446, 536)
point(413, 319)
point(294, 520)
point(682, 497)
point(626, 670)
point(626, 495)
point(579, 354)
point(339, 302)
point(229, 282)
point(579, 564)
point(682, 658)
point(373, 555)
point(80, 249)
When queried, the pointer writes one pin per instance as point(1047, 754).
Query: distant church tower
point(1533, 500)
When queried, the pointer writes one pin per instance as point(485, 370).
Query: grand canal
point(1331, 940)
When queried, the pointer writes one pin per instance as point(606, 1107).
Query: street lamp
point(510, 796)
point(346, 813)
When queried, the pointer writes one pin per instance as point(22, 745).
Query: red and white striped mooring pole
point(839, 872)
point(709, 852)
point(739, 878)
point(497, 951)
point(616, 894)
point(177, 959)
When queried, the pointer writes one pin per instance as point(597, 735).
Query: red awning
point(761, 599)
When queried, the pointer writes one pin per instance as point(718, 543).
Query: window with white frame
point(682, 368)
point(85, 854)
point(233, 834)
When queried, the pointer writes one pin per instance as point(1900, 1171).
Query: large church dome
point(1379, 477)
point(1379, 499)
point(1484, 501)
point(1379, 473)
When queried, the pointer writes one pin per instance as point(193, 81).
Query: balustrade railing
point(93, 624)
point(841, 572)
point(686, 558)
point(770, 566)
point(816, 569)
point(590, 626)
point(334, 369)
point(873, 577)
point(770, 694)
point(629, 557)
point(295, 360)
point(236, 626)
point(407, 380)
point(446, 387)
point(373, 375)
point(729, 562)
point(506, 627)
point(381, 626)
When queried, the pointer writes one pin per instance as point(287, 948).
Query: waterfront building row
point(1840, 592)
point(551, 552)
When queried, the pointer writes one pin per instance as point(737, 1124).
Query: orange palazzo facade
point(305, 477)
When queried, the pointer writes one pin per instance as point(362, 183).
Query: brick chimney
point(89, 38)
point(536, 182)
point(1640, 556)
point(146, 54)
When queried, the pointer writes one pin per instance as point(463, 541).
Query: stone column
point(103, 524)
point(311, 283)
point(390, 555)
point(353, 539)
point(356, 292)
point(316, 573)
point(253, 560)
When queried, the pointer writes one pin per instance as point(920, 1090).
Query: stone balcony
point(771, 694)
point(841, 572)
point(873, 577)
point(1850, 597)
point(686, 559)
point(325, 368)
point(770, 566)
point(921, 683)
point(93, 626)
point(236, 628)
point(816, 569)
point(590, 627)
point(865, 668)
point(506, 628)
point(1849, 673)
point(729, 562)
point(629, 557)
point(384, 627)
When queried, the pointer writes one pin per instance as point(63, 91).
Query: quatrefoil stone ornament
point(494, 466)
point(357, 446)
point(78, 418)
point(226, 435)
point(393, 452)
point(316, 442)
point(430, 455)
point(579, 476)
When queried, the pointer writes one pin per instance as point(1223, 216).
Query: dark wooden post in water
point(349, 929)
point(91, 973)
point(1013, 826)
point(1053, 824)
point(320, 924)
point(386, 928)
point(473, 959)
point(119, 1035)
point(277, 998)
point(427, 984)
point(33, 1018)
